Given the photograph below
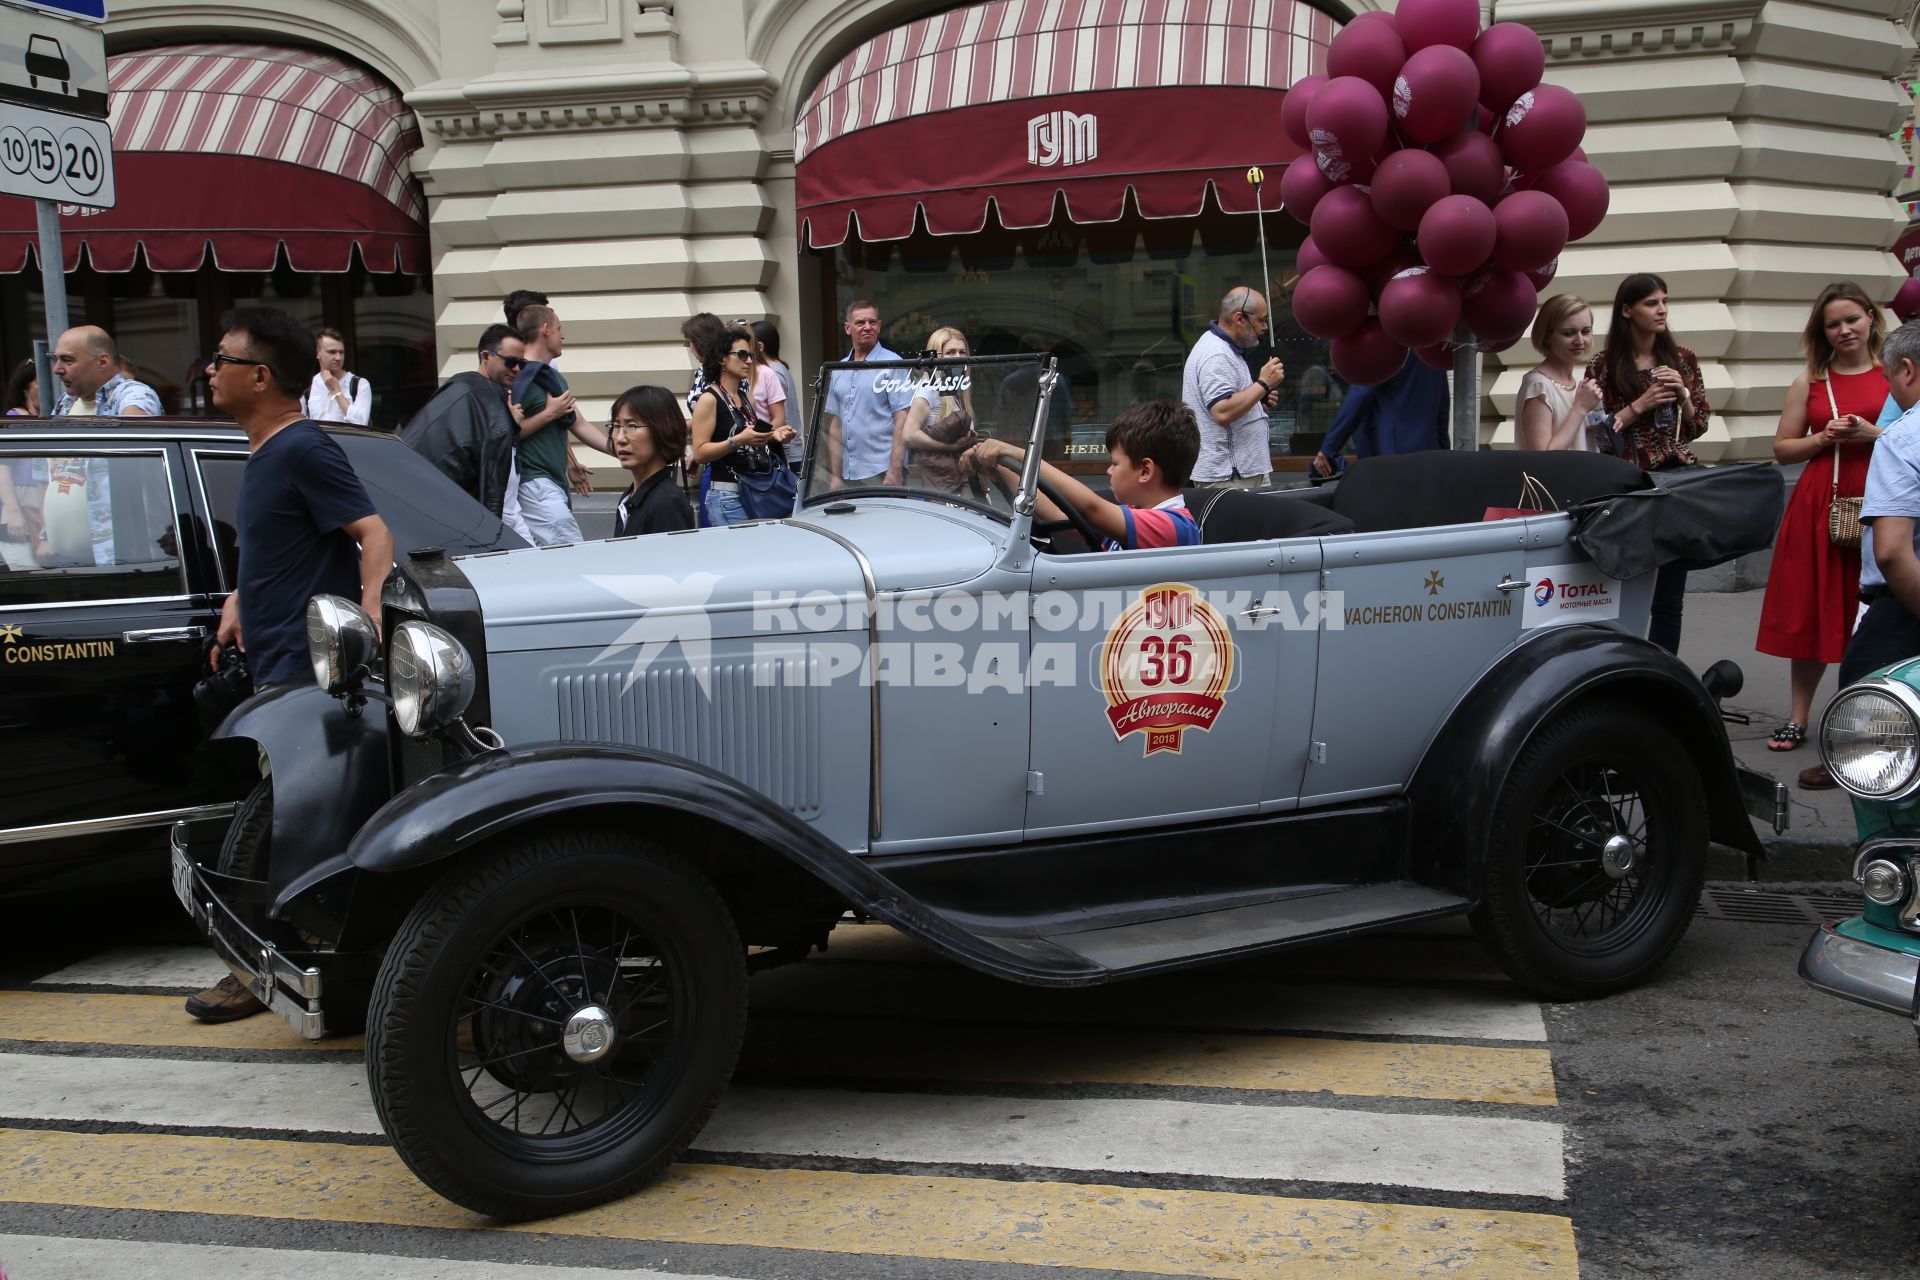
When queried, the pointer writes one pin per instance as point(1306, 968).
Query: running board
point(1089, 956)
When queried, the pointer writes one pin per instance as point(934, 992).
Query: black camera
point(223, 689)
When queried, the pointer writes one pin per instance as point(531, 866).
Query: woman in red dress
point(1813, 587)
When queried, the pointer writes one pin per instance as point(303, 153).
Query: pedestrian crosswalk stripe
point(1496, 1155)
point(181, 968)
point(1110, 1228)
point(61, 1258)
point(871, 1049)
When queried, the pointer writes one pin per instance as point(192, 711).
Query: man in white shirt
point(336, 395)
point(1229, 403)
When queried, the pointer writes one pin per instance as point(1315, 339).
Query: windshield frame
point(1025, 498)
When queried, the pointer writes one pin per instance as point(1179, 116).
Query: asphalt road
point(1387, 1107)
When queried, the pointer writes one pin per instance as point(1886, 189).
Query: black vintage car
point(117, 550)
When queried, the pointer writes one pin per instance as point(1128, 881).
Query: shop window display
point(1118, 304)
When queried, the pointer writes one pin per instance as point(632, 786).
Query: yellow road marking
point(1184, 1233)
point(1047, 1055)
point(147, 1021)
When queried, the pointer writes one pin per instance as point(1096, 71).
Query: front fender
point(1466, 766)
point(330, 771)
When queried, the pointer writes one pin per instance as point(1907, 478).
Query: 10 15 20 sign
point(48, 156)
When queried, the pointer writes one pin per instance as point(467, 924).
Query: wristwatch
point(1265, 390)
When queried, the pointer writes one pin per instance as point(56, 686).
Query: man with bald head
point(87, 362)
point(1228, 401)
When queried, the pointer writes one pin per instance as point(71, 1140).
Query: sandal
point(1792, 734)
point(1817, 779)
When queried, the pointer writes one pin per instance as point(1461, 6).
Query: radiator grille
point(761, 724)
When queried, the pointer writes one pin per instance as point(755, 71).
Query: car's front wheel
point(1595, 856)
point(555, 1022)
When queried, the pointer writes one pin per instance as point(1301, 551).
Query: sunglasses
point(512, 362)
point(743, 353)
point(221, 357)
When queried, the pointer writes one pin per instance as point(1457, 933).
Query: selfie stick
point(1256, 177)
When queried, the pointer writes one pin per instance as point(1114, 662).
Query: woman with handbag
point(728, 440)
point(940, 420)
point(1813, 587)
point(1651, 386)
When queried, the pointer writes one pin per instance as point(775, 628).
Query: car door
point(1170, 684)
point(101, 638)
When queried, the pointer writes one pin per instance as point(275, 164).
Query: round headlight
point(430, 677)
point(341, 642)
point(1869, 741)
point(1884, 882)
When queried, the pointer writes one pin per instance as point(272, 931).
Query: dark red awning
point(1016, 102)
point(244, 151)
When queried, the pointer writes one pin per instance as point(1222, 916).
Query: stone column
point(1748, 148)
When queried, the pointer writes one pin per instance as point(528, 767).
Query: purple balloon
point(1906, 302)
point(1367, 356)
point(1498, 304)
point(1581, 191)
point(1370, 15)
point(1429, 22)
point(1293, 109)
point(1456, 235)
point(1347, 122)
point(1474, 166)
point(1330, 302)
point(1438, 356)
point(1348, 231)
point(1542, 128)
point(1543, 277)
point(1419, 308)
point(1301, 187)
point(1405, 186)
point(1370, 50)
point(1402, 257)
point(1510, 59)
point(1437, 92)
point(1307, 257)
point(1530, 230)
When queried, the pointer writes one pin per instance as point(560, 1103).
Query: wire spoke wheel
point(1595, 855)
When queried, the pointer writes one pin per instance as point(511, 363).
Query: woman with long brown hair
point(1651, 386)
point(1813, 587)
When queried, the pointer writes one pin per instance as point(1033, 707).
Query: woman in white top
point(1555, 395)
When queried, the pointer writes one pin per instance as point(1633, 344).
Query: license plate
point(183, 879)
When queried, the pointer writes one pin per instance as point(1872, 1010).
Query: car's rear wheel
point(1595, 856)
point(555, 1022)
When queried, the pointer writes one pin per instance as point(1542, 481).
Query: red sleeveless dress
point(1813, 587)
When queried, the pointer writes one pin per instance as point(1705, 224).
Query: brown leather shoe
point(1816, 778)
point(226, 1001)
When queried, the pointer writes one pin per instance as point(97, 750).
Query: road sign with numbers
point(48, 156)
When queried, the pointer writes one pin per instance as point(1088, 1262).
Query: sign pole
point(53, 287)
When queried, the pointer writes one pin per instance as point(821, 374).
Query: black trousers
point(1669, 601)
point(1887, 634)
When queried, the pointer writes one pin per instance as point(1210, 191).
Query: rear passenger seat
point(1440, 486)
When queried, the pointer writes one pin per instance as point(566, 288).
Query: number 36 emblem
point(1165, 666)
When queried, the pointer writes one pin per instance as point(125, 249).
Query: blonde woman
point(1556, 395)
point(940, 418)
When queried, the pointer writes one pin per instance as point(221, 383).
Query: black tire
point(463, 1037)
point(1557, 917)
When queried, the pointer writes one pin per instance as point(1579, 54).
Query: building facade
point(641, 161)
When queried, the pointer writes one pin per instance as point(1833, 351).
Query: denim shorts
point(723, 507)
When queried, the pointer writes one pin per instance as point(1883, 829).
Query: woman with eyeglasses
point(649, 433)
point(725, 430)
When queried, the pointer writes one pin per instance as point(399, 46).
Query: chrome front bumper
point(284, 987)
point(1861, 972)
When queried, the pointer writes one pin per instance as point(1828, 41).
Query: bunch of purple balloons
point(1445, 181)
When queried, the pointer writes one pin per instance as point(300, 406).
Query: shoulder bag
point(1843, 514)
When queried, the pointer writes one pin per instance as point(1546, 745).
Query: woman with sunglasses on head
point(1651, 386)
point(940, 418)
point(725, 431)
point(649, 433)
point(1813, 586)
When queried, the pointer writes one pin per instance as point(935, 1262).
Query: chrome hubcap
point(589, 1034)
point(1617, 856)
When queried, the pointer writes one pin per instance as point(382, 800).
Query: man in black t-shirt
point(301, 512)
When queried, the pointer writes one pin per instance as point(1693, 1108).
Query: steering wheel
point(1074, 519)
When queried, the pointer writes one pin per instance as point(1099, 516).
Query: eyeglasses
point(512, 362)
point(624, 426)
point(743, 353)
point(221, 357)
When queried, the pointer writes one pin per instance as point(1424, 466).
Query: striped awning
point(1015, 103)
point(245, 150)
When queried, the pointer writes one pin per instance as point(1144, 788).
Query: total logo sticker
point(1563, 593)
point(1165, 667)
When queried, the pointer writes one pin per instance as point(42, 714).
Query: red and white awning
point(244, 150)
point(1013, 102)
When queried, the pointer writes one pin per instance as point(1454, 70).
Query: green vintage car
point(1870, 739)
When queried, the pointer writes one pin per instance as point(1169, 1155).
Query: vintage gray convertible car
point(590, 789)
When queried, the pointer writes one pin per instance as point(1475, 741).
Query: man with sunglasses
point(1229, 403)
point(467, 431)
